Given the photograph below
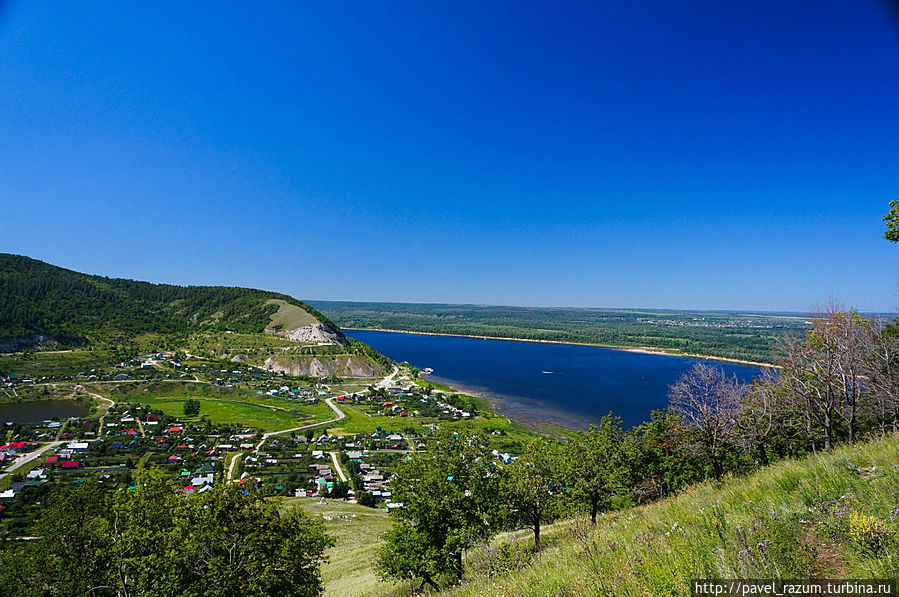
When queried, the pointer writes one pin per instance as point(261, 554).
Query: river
point(563, 384)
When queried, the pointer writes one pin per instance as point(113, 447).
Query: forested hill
point(39, 299)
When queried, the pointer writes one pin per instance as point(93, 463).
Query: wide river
point(565, 384)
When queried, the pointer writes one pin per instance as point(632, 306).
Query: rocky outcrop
point(17, 344)
point(342, 366)
point(313, 333)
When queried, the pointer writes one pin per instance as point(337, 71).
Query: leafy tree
point(595, 466)
point(72, 556)
point(192, 407)
point(892, 222)
point(532, 485)
point(237, 544)
point(450, 496)
point(364, 498)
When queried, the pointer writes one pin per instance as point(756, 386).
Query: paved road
point(31, 456)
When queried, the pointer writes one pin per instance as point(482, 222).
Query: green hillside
point(827, 516)
point(72, 308)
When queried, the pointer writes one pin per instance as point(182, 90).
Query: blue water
point(537, 383)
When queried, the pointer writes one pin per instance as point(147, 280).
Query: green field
point(220, 405)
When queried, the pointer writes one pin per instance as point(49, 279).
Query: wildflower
point(866, 530)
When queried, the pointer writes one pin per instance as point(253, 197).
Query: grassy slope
point(358, 538)
point(807, 509)
point(289, 317)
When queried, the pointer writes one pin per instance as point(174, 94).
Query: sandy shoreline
point(639, 349)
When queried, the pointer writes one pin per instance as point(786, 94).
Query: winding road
point(330, 402)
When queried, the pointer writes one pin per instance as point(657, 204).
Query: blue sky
point(613, 154)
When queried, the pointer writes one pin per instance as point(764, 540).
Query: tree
point(882, 371)
point(594, 464)
point(364, 498)
point(891, 219)
point(192, 407)
point(72, 556)
point(709, 403)
point(532, 485)
point(764, 407)
point(237, 544)
point(449, 494)
point(824, 370)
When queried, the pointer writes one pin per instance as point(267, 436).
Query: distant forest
point(749, 336)
point(71, 308)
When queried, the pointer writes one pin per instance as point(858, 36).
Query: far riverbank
point(637, 349)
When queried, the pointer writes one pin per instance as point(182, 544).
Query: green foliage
point(595, 465)
point(364, 498)
point(152, 540)
point(533, 485)
point(73, 558)
point(450, 495)
point(192, 407)
point(891, 219)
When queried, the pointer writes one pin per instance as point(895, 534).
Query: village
point(311, 461)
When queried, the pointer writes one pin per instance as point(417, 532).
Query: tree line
point(836, 382)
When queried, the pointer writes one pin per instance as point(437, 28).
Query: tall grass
point(832, 515)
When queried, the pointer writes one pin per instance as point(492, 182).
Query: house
point(69, 464)
point(52, 459)
point(79, 447)
point(202, 480)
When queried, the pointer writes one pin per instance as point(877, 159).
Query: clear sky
point(729, 155)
